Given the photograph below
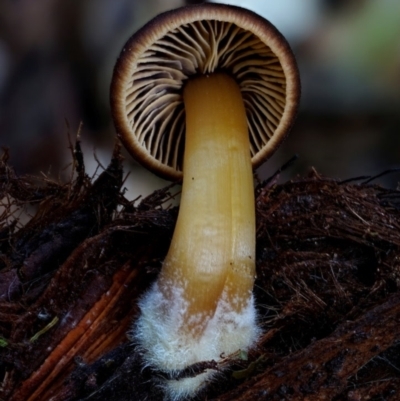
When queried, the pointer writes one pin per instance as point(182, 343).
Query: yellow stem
point(212, 254)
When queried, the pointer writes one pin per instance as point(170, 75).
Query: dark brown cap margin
point(168, 21)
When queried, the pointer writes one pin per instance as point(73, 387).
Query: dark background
point(56, 60)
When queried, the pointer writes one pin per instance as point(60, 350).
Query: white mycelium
point(166, 347)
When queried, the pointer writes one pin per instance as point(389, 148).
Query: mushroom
point(204, 92)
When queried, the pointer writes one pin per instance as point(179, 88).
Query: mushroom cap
point(151, 71)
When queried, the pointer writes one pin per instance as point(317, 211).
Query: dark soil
point(328, 289)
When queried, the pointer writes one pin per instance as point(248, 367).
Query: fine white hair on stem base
point(166, 348)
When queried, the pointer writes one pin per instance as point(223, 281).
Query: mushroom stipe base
point(163, 348)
